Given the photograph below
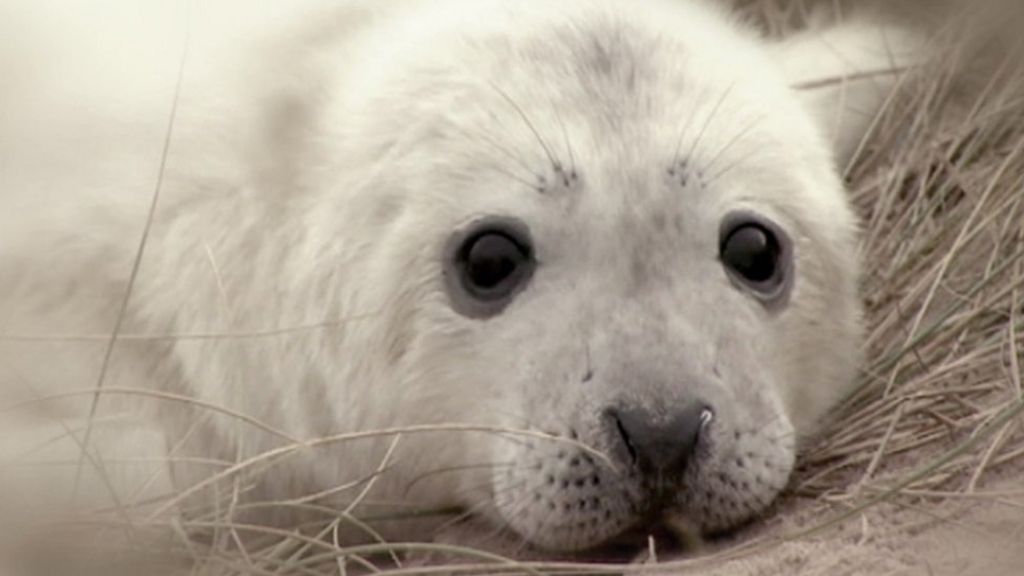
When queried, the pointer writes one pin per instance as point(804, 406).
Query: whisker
point(531, 185)
point(731, 166)
point(685, 130)
point(733, 141)
point(711, 116)
point(496, 145)
point(526, 119)
point(568, 147)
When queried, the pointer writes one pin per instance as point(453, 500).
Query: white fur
point(321, 156)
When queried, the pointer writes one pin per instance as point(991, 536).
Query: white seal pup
point(614, 222)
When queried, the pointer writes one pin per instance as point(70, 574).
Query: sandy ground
point(968, 536)
point(979, 538)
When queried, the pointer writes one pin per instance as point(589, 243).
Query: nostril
point(657, 442)
point(624, 436)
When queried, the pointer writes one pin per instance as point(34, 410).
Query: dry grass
point(939, 411)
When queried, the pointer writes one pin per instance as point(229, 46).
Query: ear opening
point(845, 74)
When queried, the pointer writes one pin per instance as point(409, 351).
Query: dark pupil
point(492, 259)
point(752, 252)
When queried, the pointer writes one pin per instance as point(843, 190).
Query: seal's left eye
point(757, 254)
point(487, 266)
point(752, 252)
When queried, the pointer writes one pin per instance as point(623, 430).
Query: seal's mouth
point(666, 534)
point(662, 536)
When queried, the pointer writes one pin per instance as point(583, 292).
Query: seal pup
point(615, 226)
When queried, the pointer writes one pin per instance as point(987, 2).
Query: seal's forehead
point(627, 107)
point(607, 60)
point(592, 57)
point(626, 97)
point(541, 44)
point(621, 77)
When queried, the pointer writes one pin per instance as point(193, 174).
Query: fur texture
point(319, 160)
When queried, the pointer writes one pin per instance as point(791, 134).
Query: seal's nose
point(661, 445)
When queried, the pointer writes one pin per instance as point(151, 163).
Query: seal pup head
point(617, 225)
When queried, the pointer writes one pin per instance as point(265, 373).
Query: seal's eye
point(752, 252)
point(756, 254)
point(489, 262)
point(487, 266)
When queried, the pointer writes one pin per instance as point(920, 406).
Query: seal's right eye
point(490, 262)
point(488, 266)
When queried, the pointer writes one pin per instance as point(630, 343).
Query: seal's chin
point(664, 536)
point(669, 535)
